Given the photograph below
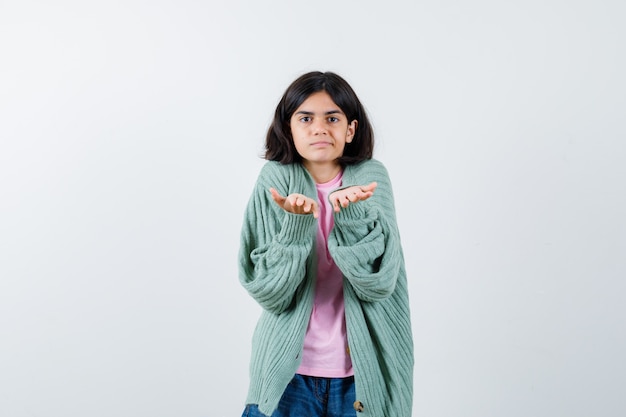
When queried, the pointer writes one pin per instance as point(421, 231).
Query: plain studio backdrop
point(130, 135)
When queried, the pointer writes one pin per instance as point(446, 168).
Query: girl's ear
point(351, 131)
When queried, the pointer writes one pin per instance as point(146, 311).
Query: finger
point(316, 211)
point(366, 195)
point(292, 200)
point(300, 200)
point(311, 207)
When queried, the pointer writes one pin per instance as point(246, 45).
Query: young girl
point(320, 252)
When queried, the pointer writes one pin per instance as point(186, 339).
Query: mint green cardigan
point(277, 268)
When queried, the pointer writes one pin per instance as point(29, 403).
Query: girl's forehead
point(319, 100)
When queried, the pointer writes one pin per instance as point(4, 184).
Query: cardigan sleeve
point(274, 248)
point(365, 242)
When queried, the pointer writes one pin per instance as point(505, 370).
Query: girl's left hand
point(343, 197)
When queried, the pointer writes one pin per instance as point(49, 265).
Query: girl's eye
point(305, 119)
point(333, 119)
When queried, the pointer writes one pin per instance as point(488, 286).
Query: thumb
point(371, 186)
point(276, 196)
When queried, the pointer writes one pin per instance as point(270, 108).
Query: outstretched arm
point(365, 242)
point(275, 244)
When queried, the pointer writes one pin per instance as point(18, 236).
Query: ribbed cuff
point(296, 228)
point(354, 212)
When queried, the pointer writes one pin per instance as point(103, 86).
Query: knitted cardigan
point(277, 268)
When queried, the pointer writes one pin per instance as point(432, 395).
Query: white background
point(130, 135)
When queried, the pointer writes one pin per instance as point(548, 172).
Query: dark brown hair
point(279, 144)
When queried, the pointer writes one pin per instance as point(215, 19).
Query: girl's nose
point(319, 127)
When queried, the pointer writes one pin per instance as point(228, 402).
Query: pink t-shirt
point(326, 352)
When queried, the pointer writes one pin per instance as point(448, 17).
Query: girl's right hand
point(296, 203)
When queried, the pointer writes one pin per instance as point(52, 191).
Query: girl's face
point(320, 131)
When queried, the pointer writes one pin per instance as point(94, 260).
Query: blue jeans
point(310, 396)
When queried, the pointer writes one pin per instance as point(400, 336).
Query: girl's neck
point(322, 173)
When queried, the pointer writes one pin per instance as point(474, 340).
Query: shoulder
point(273, 171)
point(272, 168)
point(276, 168)
point(369, 165)
point(367, 171)
point(286, 178)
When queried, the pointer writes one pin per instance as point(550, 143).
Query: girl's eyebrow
point(310, 113)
